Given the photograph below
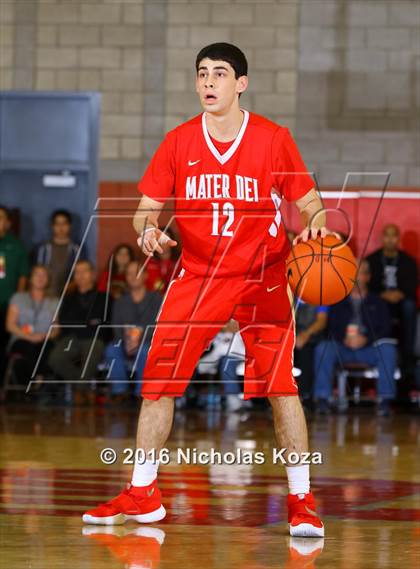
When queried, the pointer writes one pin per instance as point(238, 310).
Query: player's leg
point(269, 343)
point(268, 372)
point(184, 327)
point(191, 316)
point(290, 428)
point(291, 434)
point(141, 501)
point(153, 429)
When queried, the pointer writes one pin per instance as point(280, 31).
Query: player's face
point(217, 85)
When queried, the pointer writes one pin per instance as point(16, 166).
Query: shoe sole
point(306, 530)
point(120, 519)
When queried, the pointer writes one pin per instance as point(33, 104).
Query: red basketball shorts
point(194, 310)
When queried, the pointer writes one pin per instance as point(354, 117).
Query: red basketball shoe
point(140, 503)
point(303, 520)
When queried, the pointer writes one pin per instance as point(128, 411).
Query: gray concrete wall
point(342, 75)
point(358, 95)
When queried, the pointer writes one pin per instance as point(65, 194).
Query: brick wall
point(358, 97)
point(266, 32)
point(341, 75)
point(140, 56)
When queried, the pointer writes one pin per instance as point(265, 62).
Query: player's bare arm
point(145, 223)
point(313, 217)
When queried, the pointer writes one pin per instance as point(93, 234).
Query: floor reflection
point(133, 547)
point(227, 516)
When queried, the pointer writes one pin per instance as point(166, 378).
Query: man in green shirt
point(14, 268)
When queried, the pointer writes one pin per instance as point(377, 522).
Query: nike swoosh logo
point(270, 289)
point(191, 162)
point(150, 492)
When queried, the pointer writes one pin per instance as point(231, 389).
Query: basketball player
point(228, 169)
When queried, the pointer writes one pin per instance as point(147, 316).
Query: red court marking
point(188, 496)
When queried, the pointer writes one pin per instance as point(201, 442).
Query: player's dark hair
point(63, 213)
point(224, 52)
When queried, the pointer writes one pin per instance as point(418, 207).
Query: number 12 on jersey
point(228, 211)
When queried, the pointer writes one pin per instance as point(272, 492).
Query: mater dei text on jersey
point(214, 186)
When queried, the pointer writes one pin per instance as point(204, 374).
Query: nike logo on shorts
point(270, 289)
point(191, 162)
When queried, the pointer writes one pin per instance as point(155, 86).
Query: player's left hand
point(313, 233)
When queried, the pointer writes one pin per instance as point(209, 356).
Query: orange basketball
point(321, 271)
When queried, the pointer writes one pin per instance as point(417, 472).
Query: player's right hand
point(151, 239)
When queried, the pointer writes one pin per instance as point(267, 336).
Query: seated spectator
point(60, 252)
point(78, 350)
point(29, 317)
point(133, 319)
point(394, 278)
point(161, 267)
point(14, 269)
point(311, 321)
point(114, 281)
point(359, 327)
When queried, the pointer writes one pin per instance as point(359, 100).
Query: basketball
point(321, 271)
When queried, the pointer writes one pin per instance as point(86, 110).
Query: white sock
point(298, 477)
point(144, 474)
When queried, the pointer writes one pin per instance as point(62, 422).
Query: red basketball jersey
point(227, 205)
